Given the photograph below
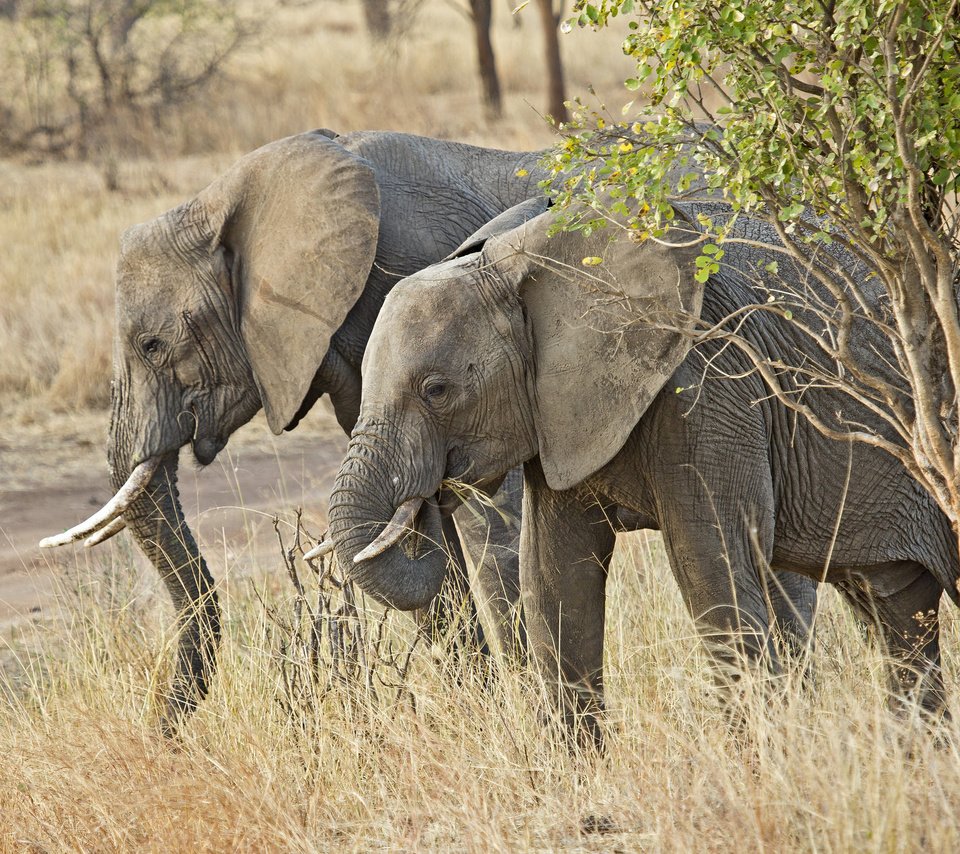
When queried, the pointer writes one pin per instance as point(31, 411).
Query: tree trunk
point(556, 94)
point(481, 14)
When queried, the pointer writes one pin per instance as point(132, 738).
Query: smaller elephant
point(525, 350)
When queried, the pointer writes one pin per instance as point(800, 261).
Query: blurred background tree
point(73, 68)
point(551, 15)
point(481, 13)
point(378, 17)
point(89, 76)
point(388, 20)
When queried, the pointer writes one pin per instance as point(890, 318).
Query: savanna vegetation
point(330, 726)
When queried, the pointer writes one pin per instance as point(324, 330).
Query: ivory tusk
point(125, 496)
point(321, 549)
point(397, 528)
point(105, 533)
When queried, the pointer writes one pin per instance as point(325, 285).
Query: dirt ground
point(54, 474)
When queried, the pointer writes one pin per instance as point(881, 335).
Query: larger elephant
point(261, 292)
point(584, 375)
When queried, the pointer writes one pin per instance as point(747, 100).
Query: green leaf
point(942, 177)
point(789, 212)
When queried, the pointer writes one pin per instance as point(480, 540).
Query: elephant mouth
point(456, 484)
point(454, 491)
point(206, 448)
point(416, 542)
point(406, 531)
point(447, 501)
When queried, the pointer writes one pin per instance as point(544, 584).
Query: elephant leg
point(708, 467)
point(719, 557)
point(793, 603)
point(565, 548)
point(901, 601)
point(490, 534)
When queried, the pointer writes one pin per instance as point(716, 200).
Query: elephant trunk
point(409, 573)
point(157, 523)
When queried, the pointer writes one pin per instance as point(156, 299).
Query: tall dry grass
point(450, 758)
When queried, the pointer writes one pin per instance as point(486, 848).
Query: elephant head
point(225, 304)
point(533, 345)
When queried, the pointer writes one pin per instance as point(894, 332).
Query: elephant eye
point(151, 346)
point(434, 390)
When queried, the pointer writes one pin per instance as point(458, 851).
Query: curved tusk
point(397, 528)
point(105, 533)
point(321, 549)
point(125, 496)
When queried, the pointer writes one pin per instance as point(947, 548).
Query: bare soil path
point(54, 474)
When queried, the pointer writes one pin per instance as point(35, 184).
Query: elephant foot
point(579, 719)
point(179, 705)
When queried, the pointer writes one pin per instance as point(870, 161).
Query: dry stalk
point(327, 648)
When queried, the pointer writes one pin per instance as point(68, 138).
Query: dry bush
point(460, 763)
point(79, 71)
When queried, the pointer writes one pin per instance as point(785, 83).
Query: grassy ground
point(285, 756)
point(445, 757)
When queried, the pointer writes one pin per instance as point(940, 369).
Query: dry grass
point(453, 760)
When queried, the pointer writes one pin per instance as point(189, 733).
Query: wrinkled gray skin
point(574, 372)
point(262, 291)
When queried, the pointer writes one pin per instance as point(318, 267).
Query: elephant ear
point(609, 320)
point(301, 217)
point(500, 224)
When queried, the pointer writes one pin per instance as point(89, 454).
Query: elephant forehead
point(146, 240)
point(139, 278)
point(432, 303)
point(425, 316)
point(151, 265)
